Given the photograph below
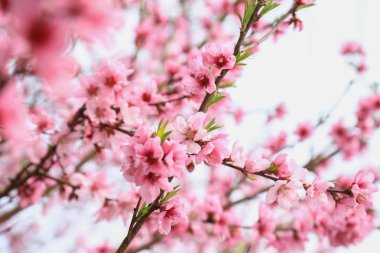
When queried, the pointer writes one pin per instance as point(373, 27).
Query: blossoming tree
point(136, 134)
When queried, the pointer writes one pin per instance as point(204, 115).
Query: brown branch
point(138, 222)
point(169, 101)
point(265, 174)
point(6, 216)
point(243, 32)
point(20, 179)
point(274, 28)
point(319, 159)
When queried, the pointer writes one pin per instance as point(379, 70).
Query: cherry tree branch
point(137, 222)
point(243, 33)
point(20, 179)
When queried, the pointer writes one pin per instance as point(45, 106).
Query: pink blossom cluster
point(356, 56)
point(205, 68)
point(149, 163)
point(352, 141)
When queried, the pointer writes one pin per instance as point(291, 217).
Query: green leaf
point(211, 126)
point(226, 85)
point(268, 7)
point(248, 11)
point(304, 6)
point(211, 123)
point(143, 210)
point(161, 130)
point(171, 194)
point(273, 168)
point(165, 136)
point(217, 96)
point(243, 55)
point(251, 177)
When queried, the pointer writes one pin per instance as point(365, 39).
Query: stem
point(136, 222)
point(264, 174)
point(274, 28)
point(20, 178)
point(168, 101)
point(243, 32)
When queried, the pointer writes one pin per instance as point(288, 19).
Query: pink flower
point(112, 75)
point(199, 79)
point(97, 183)
point(151, 184)
point(282, 167)
point(149, 155)
point(266, 224)
point(175, 158)
point(276, 143)
point(362, 68)
point(99, 110)
point(317, 195)
point(285, 193)
point(42, 120)
point(218, 57)
point(238, 156)
point(149, 163)
point(279, 112)
point(190, 131)
point(363, 186)
point(173, 213)
point(350, 48)
point(304, 130)
point(257, 161)
point(122, 206)
point(214, 152)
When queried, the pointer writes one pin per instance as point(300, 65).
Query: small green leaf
point(251, 177)
point(217, 96)
point(212, 122)
point(226, 85)
point(304, 6)
point(243, 55)
point(273, 168)
point(248, 11)
point(143, 210)
point(211, 126)
point(171, 194)
point(165, 136)
point(161, 130)
point(268, 7)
